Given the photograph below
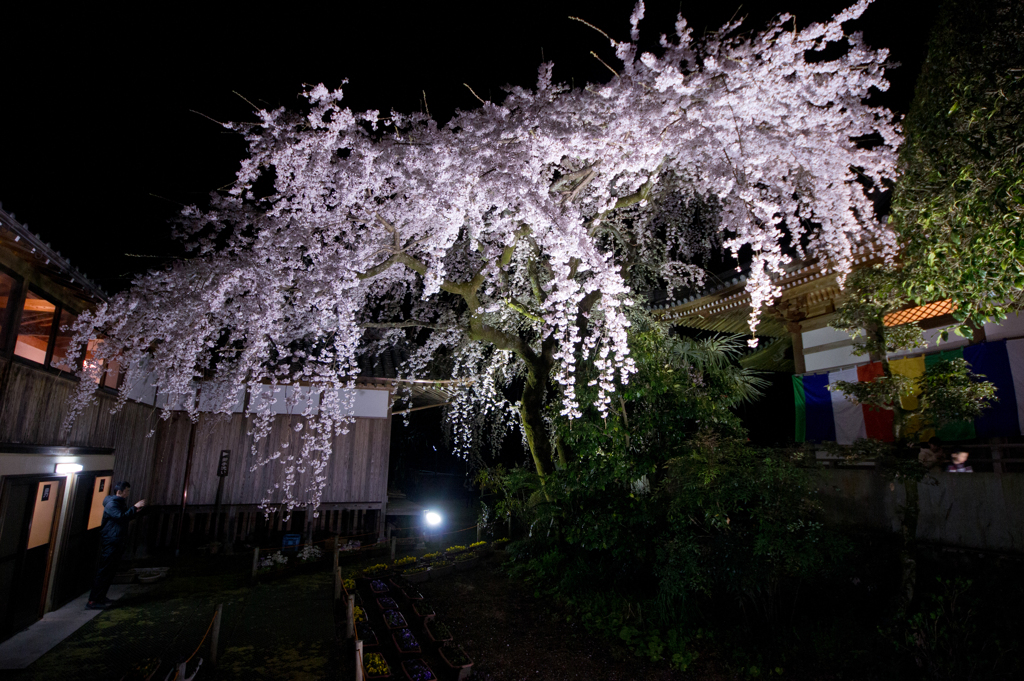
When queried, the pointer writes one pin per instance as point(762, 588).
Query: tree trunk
point(531, 410)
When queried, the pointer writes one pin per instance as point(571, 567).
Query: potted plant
point(465, 561)
point(375, 666)
point(456, 659)
point(387, 603)
point(367, 635)
point(394, 619)
point(404, 562)
point(376, 571)
point(482, 548)
point(417, 574)
point(377, 586)
point(437, 631)
point(441, 568)
point(417, 670)
point(499, 544)
point(412, 594)
point(423, 609)
point(453, 550)
point(405, 641)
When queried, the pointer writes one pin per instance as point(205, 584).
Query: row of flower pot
point(442, 563)
point(399, 632)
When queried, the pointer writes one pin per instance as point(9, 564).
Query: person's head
point(935, 444)
point(122, 488)
point(959, 458)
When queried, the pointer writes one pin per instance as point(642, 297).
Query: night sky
point(99, 145)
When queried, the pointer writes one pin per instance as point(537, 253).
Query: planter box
point(368, 675)
point(400, 622)
point(436, 638)
point(405, 651)
point(463, 670)
point(367, 635)
point(417, 577)
point(417, 670)
point(467, 564)
point(412, 594)
point(442, 571)
point(387, 603)
point(378, 586)
point(422, 610)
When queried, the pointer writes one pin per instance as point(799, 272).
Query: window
point(919, 313)
point(108, 376)
point(8, 286)
point(37, 318)
point(62, 340)
point(44, 333)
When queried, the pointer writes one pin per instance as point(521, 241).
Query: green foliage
point(959, 204)
point(948, 392)
point(872, 293)
point(745, 523)
point(663, 504)
point(943, 639)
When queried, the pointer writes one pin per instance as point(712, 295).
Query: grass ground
point(285, 627)
point(274, 629)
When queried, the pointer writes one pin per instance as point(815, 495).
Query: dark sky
point(99, 145)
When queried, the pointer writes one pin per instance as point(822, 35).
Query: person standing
point(113, 537)
point(959, 464)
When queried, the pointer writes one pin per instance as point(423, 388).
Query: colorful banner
point(824, 415)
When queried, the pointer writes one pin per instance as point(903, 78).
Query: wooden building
point(52, 484)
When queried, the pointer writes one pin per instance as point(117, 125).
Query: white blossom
point(515, 229)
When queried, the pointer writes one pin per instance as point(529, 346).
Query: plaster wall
point(977, 510)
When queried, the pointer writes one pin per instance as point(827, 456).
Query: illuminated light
point(432, 518)
point(66, 468)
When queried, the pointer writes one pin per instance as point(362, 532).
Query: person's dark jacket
point(116, 516)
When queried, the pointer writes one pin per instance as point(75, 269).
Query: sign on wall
point(222, 465)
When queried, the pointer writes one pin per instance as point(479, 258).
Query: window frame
point(58, 309)
point(10, 318)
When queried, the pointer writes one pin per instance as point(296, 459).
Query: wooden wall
point(357, 471)
point(34, 402)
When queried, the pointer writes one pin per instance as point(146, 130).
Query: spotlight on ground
point(433, 518)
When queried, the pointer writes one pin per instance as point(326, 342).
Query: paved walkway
point(26, 647)
point(280, 629)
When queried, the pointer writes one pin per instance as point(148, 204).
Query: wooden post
point(215, 634)
point(188, 472)
point(997, 454)
point(334, 550)
point(350, 617)
point(394, 545)
point(359, 660)
point(255, 560)
point(337, 583)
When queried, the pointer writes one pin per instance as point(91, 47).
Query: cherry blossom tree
point(513, 240)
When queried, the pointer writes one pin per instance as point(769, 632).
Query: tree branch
point(522, 309)
point(403, 325)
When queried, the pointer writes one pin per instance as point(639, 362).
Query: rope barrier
point(204, 639)
point(471, 527)
point(365, 534)
point(323, 541)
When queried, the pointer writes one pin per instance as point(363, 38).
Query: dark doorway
point(29, 515)
point(77, 563)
